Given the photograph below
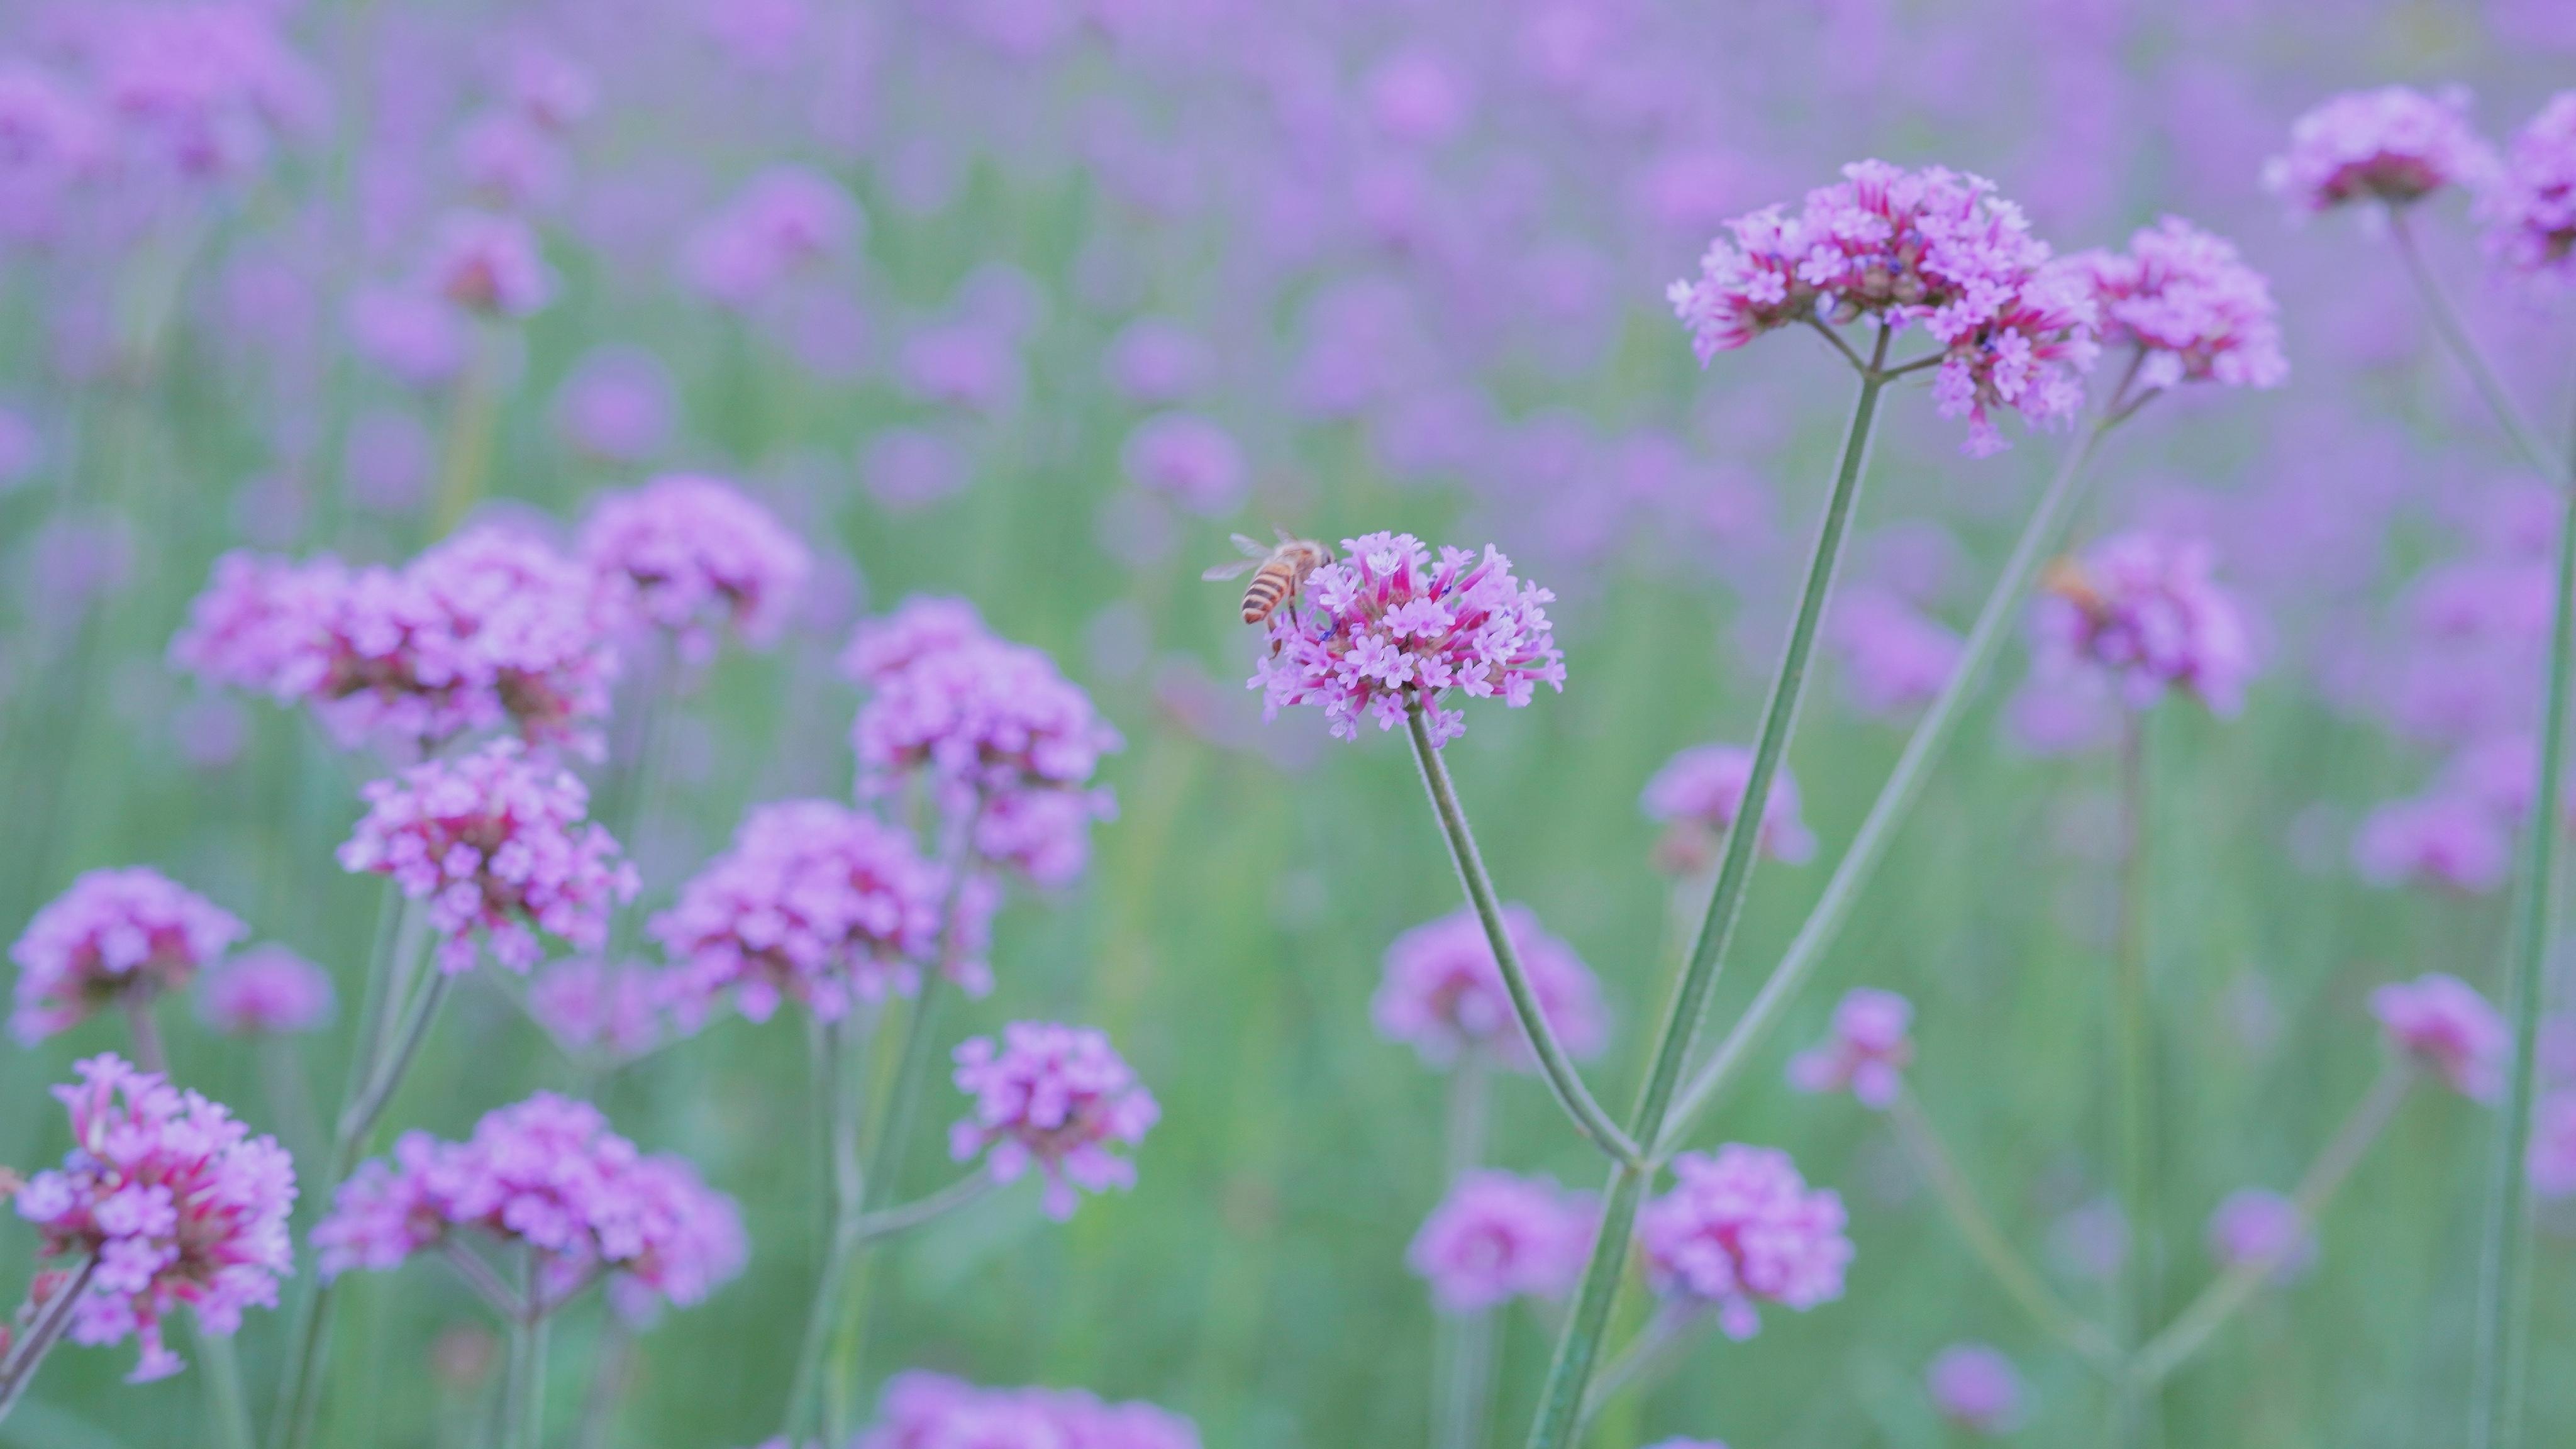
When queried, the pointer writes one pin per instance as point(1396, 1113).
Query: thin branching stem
point(2231, 1290)
point(2130, 1067)
point(1570, 1373)
point(2011, 1272)
point(903, 1218)
point(149, 1054)
point(1904, 784)
point(2464, 348)
point(1463, 1348)
point(1646, 1356)
point(1588, 1115)
point(18, 1367)
point(525, 1392)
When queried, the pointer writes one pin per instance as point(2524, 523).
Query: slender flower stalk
point(1561, 1399)
point(903, 1218)
point(837, 1114)
point(229, 1401)
point(524, 1392)
point(470, 431)
point(1986, 1238)
point(2130, 1068)
point(149, 1054)
point(2039, 538)
point(1563, 1077)
point(1463, 1348)
point(18, 1365)
point(1646, 1356)
point(2464, 348)
point(2503, 1321)
point(2231, 1290)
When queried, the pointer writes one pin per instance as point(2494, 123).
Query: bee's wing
point(1251, 547)
point(1233, 570)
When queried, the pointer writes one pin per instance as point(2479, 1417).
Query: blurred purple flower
point(1498, 1235)
point(1189, 459)
point(2393, 144)
point(2144, 610)
point(266, 989)
point(487, 263)
point(618, 405)
point(2443, 1025)
point(691, 554)
point(2255, 1225)
point(1056, 1097)
point(1742, 1228)
point(113, 935)
point(1697, 794)
point(910, 468)
point(933, 1411)
point(2444, 838)
point(1975, 1387)
point(417, 336)
point(1866, 1053)
point(2530, 213)
point(1895, 657)
point(1157, 362)
point(1443, 992)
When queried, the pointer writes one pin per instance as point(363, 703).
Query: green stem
point(2231, 1290)
point(18, 1367)
point(470, 430)
point(887, 1222)
point(836, 1164)
point(1968, 1214)
point(1588, 1115)
point(1646, 1355)
point(1896, 798)
point(149, 1054)
point(2464, 348)
point(2495, 1417)
point(1463, 1343)
point(1561, 1399)
point(2133, 1088)
point(229, 1402)
point(524, 1420)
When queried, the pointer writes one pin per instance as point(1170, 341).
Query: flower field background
point(1033, 304)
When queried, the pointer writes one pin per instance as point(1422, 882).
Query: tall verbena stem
point(524, 1393)
point(2503, 1320)
point(18, 1365)
point(2132, 1090)
point(2039, 538)
point(2464, 348)
point(1463, 1349)
point(837, 1107)
point(1569, 1375)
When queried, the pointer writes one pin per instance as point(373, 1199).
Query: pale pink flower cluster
point(2530, 211)
point(2394, 144)
point(1054, 1096)
point(1975, 1387)
point(2146, 611)
point(2449, 839)
point(981, 717)
point(2190, 305)
point(498, 846)
point(1895, 657)
point(114, 932)
point(690, 554)
point(1498, 1235)
point(199, 92)
point(1742, 1228)
point(1697, 794)
point(489, 263)
point(2257, 1226)
point(2443, 1025)
point(176, 1201)
point(1867, 1052)
point(592, 1007)
point(785, 220)
point(1383, 628)
point(1443, 992)
point(932, 1411)
point(266, 989)
point(490, 629)
point(1931, 247)
point(922, 625)
point(816, 903)
point(546, 1174)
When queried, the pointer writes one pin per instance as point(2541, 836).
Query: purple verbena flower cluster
point(2530, 210)
point(2145, 610)
point(1054, 1096)
point(1975, 1387)
point(1742, 1228)
point(1867, 1052)
point(933, 1411)
point(1443, 992)
point(2394, 144)
point(1697, 794)
point(785, 220)
point(267, 989)
point(2191, 307)
point(497, 845)
point(2257, 1225)
point(1498, 1236)
point(2443, 1025)
point(114, 933)
point(692, 553)
point(174, 1200)
point(488, 263)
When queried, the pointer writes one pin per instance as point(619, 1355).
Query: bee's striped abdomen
point(1269, 585)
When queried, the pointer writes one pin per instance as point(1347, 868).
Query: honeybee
point(1277, 572)
point(2068, 580)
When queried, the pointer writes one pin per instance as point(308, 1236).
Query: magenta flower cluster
point(490, 629)
point(982, 717)
point(1975, 1387)
point(1056, 1097)
point(2530, 211)
point(1932, 248)
point(175, 1203)
point(2394, 144)
point(1383, 629)
point(2145, 611)
point(2191, 307)
point(816, 903)
point(1867, 1052)
point(1697, 794)
point(1443, 992)
point(593, 1008)
point(267, 989)
point(923, 625)
point(2443, 1025)
point(690, 554)
point(1498, 1236)
point(786, 220)
point(933, 1411)
point(1742, 1228)
point(546, 1175)
point(497, 846)
point(2256, 1226)
point(113, 934)
point(488, 263)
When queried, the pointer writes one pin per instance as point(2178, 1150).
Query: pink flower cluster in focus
point(2190, 305)
point(1443, 992)
point(546, 1173)
point(2530, 212)
point(1867, 1053)
point(176, 1201)
point(1742, 1228)
point(2394, 144)
point(932, 1411)
point(496, 844)
point(112, 933)
point(1383, 628)
point(1932, 248)
point(816, 903)
point(1698, 792)
point(1056, 1096)
point(1498, 1235)
point(692, 554)
point(2145, 610)
point(266, 989)
point(2443, 1025)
